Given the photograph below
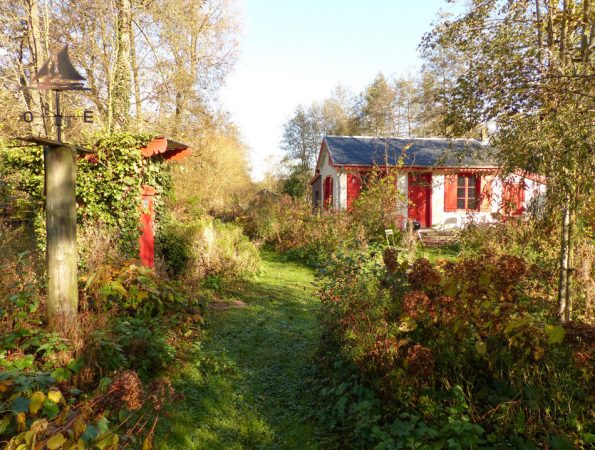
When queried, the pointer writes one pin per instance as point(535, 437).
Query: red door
point(420, 198)
point(328, 192)
point(147, 238)
point(354, 187)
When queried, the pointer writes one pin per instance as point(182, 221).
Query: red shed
point(171, 151)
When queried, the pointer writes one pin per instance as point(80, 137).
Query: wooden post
point(61, 237)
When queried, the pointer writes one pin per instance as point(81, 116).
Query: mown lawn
point(248, 383)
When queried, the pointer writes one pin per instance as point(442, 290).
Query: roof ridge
point(405, 138)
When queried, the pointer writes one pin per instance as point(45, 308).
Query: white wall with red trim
point(326, 169)
point(490, 188)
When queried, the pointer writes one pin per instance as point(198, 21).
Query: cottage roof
point(415, 152)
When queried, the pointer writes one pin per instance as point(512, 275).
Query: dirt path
point(249, 382)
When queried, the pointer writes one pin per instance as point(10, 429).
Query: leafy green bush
point(195, 249)
point(290, 226)
point(108, 184)
point(458, 354)
point(379, 205)
point(133, 344)
point(537, 241)
point(174, 245)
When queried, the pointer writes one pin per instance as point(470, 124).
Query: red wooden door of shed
point(420, 198)
point(147, 237)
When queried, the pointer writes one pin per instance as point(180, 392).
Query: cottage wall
point(439, 217)
point(327, 170)
point(341, 190)
point(458, 218)
point(403, 187)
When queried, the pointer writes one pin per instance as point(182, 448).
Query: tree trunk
point(570, 268)
point(35, 102)
point(565, 280)
point(135, 79)
point(60, 172)
point(539, 29)
point(122, 77)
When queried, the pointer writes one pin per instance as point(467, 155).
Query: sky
point(295, 51)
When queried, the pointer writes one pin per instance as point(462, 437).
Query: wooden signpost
point(58, 74)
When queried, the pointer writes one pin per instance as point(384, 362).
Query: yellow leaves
point(79, 426)
point(148, 443)
point(36, 403)
point(407, 324)
point(481, 347)
point(555, 334)
point(5, 385)
point(55, 396)
point(21, 421)
point(538, 353)
point(78, 445)
point(55, 442)
point(110, 441)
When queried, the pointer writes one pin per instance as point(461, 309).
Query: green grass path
point(248, 384)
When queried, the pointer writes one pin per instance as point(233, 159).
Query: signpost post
point(58, 74)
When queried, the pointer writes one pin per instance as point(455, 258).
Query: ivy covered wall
point(108, 184)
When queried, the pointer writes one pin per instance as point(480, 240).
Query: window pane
point(461, 180)
point(461, 192)
point(461, 203)
point(472, 179)
point(472, 203)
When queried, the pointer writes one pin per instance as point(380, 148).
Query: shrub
point(195, 249)
point(134, 344)
point(290, 226)
point(379, 205)
point(536, 241)
point(456, 353)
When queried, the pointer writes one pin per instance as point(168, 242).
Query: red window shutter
point(354, 187)
point(521, 198)
point(485, 192)
point(514, 198)
point(450, 193)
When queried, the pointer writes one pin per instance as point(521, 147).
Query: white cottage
point(447, 181)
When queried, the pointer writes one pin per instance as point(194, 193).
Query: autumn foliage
point(467, 352)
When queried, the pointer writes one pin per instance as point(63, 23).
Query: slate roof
point(418, 152)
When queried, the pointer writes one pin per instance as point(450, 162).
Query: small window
point(467, 192)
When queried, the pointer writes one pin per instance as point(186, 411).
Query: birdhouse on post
point(171, 151)
point(58, 74)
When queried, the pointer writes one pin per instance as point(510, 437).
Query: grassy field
point(248, 382)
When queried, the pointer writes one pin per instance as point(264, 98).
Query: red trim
point(531, 176)
point(156, 146)
point(177, 155)
point(171, 150)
